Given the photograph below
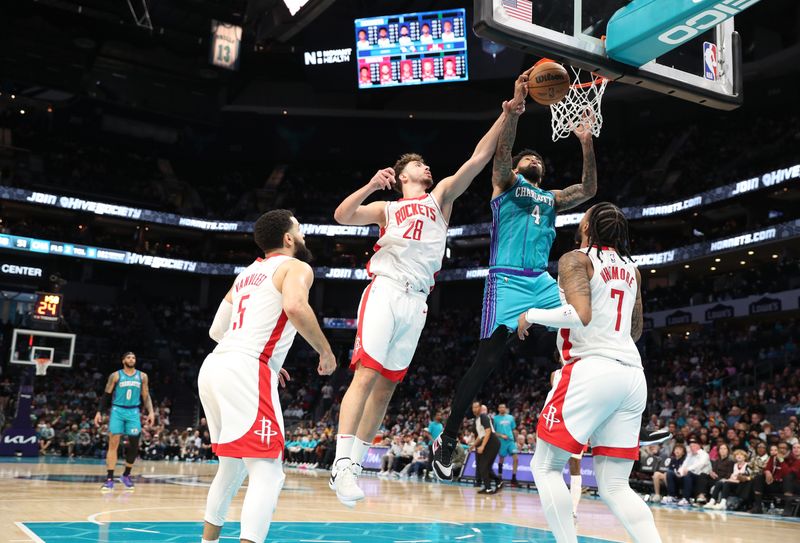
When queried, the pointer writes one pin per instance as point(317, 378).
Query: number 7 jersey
point(411, 246)
point(613, 289)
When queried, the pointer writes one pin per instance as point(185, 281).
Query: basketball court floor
point(61, 502)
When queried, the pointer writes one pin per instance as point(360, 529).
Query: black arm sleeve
point(105, 400)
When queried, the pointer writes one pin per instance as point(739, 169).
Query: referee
point(487, 446)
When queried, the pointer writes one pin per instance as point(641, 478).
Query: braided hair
point(609, 227)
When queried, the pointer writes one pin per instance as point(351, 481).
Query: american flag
point(519, 9)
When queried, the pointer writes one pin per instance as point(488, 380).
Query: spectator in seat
point(406, 455)
point(774, 480)
point(667, 468)
point(693, 474)
point(721, 470)
point(733, 489)
point(394, 451)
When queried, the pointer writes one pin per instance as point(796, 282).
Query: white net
point(41, 365)
point(580, 106)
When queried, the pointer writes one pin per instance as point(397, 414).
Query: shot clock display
point(47, 306)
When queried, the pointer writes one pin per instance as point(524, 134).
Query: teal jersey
point(128, 392)
point(435, 429)
point(505, 424)
point(523, 227)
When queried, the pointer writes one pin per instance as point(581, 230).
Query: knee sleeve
point(132, 450)
point(263, 487)
point(230, 476)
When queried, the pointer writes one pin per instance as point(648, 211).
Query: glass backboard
point(28, 345)
point(573, 31)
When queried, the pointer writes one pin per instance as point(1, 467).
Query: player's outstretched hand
point(383, 179)
point(522, 327)
point(98, 419)
point(283, 377)
point(583, 131)
point(327, 364)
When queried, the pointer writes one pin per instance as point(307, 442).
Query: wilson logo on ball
point(544, 78)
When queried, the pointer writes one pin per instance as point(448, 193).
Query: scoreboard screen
point(411, 49)
point(47, 306)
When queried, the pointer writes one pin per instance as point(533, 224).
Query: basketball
point(549, 83)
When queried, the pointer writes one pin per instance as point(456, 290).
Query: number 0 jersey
point(128, 391)
point(608, 335)
point(523, 227)
point(412, 244)
point(259, 328)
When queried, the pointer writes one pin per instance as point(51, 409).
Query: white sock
point(633, 513)
point(547, 463)
point(210, 540)
point(263, 487)
point(575, 482)
point(359, 451)
point(344, 449)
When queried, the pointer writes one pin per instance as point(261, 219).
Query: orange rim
point(598, 80)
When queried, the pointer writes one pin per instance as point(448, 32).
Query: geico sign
point(704, 20)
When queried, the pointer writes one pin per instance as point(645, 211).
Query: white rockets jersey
point(411, 246)
point(259, 328)
point(613, 287)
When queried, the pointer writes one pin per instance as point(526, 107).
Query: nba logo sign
point(710, 60)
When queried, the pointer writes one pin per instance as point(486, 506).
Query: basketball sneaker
point(443, 448)
point(346, 485)
point(126, 480)
point(653, 438)
point(108, 486)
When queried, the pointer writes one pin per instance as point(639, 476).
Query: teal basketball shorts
point(510, 292)
point(126, 421)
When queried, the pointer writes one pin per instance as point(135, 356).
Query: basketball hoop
point(580, 106)
point(42, 364)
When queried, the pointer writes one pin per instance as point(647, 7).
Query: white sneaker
point(710, 504)
point(721, 506)
point(683, 503)
point(667, 500)
point(346, 485)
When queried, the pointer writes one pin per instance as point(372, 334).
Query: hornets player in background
point(504, 426)
point(523, 231)
point(125, 390)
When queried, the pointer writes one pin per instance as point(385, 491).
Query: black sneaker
point(443, 457)
point(500, 485)
point(490, 491)
point(653, 438)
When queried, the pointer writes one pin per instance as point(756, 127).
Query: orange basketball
point(548, 83)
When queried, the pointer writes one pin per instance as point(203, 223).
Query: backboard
point(706, 69)
point(28, 345)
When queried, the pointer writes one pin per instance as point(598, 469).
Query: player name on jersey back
point(259, 328)
point(412, 244)
point(613, 290)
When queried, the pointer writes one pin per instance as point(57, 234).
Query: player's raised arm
point(352, 212)
point(222, 319)
point(573, 276)
point(147, 400)
point(454, 186)
point(502, 171)
point(637, 320)
point(575, 195)
point(295, 287)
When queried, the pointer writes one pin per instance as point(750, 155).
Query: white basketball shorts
point(599, 399)
point(390, 320)
point(240, 400)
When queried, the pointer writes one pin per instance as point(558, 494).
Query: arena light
point(742, 262)
point(751, 253)
point(713, 268)
point(295, 5)
point(717, 259)
point(686, 266)
point(774, 256)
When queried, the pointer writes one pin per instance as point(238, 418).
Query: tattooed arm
point(575, 195)
point(147, 400)
point(637, 319)
point(574, 273)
